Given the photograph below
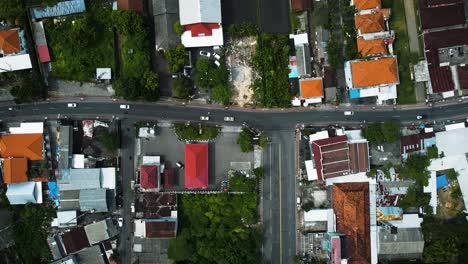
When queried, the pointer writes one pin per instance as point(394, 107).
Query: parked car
point(419, 117)
point(217, 57)
point(205, 53)
point(204, 118)
point(124, 106)
point(229, 119)
point(175, 76)
point(216, 62)
point(348, 113)
point(120, 221)
point(180, 165)
point(71, 105)
point(132, 207)
point(298, 201)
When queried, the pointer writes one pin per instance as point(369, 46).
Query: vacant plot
point(271, 16)
point(80, 44)
point(448, 207)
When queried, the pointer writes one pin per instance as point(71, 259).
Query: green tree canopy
point(127, 22)
point(181, 88)
point(391, 131)
point(415, 168)
point(176, 58)
point(221, 94)
point(110, 141)
point(151, 86)
point(373, 133)
point(245, 140)
point(12, 9)
point(203, 77)
point(178, 28)
point(432, 152)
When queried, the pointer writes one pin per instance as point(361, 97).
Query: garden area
point(218, 228)
point(406, 94)
point(80, 44)
point(196, 132)
point(271, 88)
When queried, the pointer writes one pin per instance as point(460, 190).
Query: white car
point(217, 57)
point(72, 105)
point(205, 53)
point(132, 206)
point(120, 221)
point(348, 113)
point(229, 119)
point(217, 63)
point(204, 118)
point(124, 106)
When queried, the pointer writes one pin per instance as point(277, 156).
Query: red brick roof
point(161, 229)
point(149, 176)
point(196, 166)
point(367, 4)
point(351, 207)
point(441, 13)
point(331, 157)
point(441, 77)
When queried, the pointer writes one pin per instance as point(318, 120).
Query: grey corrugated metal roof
point(95, 199)
point(79, 179)
point(100, 231)
point(408, 241)
point(91, 255)
point(60, 9)
point(64, 152)
point(56, 247)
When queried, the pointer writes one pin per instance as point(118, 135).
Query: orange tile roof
point(21, 146)
point(311, 88)
point(9, 41)
point(15, 170)
point(370, 23)
point(374, 72)
point(371, 47)
point(367, 4)
point(351, 207)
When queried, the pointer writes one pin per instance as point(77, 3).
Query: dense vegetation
point(349, 32)
point(334, 47)
point(196, 132)
point(378, 133)
point(215, 79)
point(245, 29)
point(415, 168)
point(217, 228)
point(271, 88)
point(176, 58)
point(136, 79)
point(181, 88)
point(12, 9)
point(80, 44)
point(245, 140)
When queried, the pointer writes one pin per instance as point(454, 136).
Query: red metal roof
point(149, 176)
point(441, 13)
point(441, 77)
point(196, 166)
point(135, 5)
point(463, 77)
point(43, 52)
point(412, 143)
point(201, 29)
point(161, 229)
point(331, 156)
point(301, 5)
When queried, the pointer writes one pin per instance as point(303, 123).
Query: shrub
point(196, 132)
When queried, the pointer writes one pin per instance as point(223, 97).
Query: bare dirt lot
point(239, 55)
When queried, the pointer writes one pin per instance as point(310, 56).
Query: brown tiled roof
point(371, 47)
point(9, 41)
point(412, 143)
point(135, 5)
point(374, 72)
point(441, 77)
point(15, 170)
point(441, 13)
point(161, 229)
point(301, 5)
point(359, 157)
point(156, 205)
point(351, 207)
point(75, 240)
point(370, 23)
point(21, 146)
point(463, 76)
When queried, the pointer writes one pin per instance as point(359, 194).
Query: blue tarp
point(53, 190)
point(442, 181)
point(354, 93)
point(60, 9)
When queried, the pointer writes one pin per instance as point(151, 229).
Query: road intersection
point(279, 208)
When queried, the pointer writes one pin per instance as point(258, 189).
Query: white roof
point(373, 222)
point(15, 63)
point(454, 126)
point(317, 215)
point(66, 218)
point(312, 101)
point(311, 171)
point(103, 74)
point(78, 161)
point(355, 136)
point(140, 228)
point(216, 39)
point(453, 142)
point(199, 11)
point(299, 39)
point(318, 135)
point(358, 177)
point(151, 160)
point(23, 193)
point(108, 178)
point(28, 128)
point(408, 221)
point(146, 132)
point(296, 102)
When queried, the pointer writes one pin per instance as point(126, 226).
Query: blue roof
point(354, 93)
point(53, 190)
point(442, 181)
point(60, 9)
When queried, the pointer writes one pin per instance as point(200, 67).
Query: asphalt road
point(279, 184)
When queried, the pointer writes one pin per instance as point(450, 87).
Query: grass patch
point(194, 132)
point(319, 16)
point(405, 90)
point(80, 44)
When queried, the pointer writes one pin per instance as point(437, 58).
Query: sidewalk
point(410, 15)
